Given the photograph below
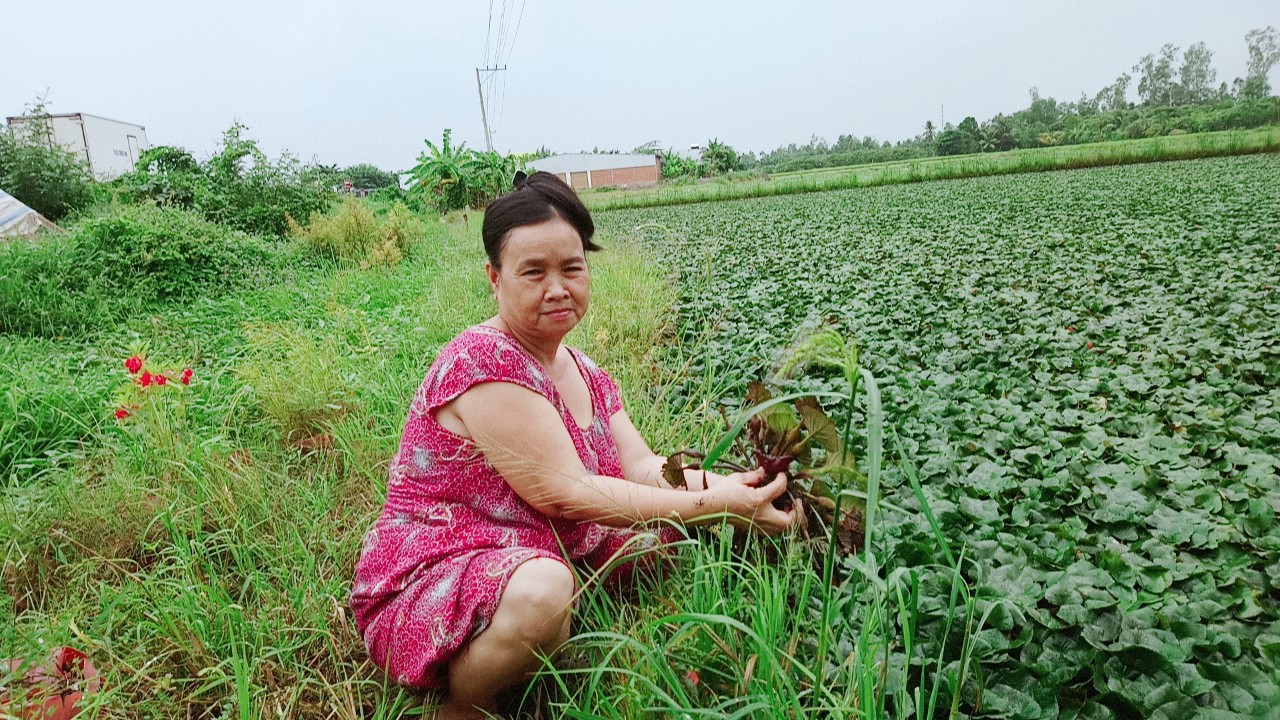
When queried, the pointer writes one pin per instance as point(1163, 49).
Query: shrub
point(238, 186)
point(353, 234)
point(48, 179)
point(109, 264)
point(369, 177)
point(146, 252)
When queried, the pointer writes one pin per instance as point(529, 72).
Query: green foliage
point(239, 186)
point(40, 173)
point(43, 293)
point(141, 253)
point(1264, 53)
point(1093, 419)
point(719, 158)
point(52, 397)
point(962, 140)
point(352, 233)
point(295, 379)
point(454, 177)
point(369, 177)
point(677, 166)
point(117, 261)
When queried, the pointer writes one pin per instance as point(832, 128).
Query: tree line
point(1177, 92)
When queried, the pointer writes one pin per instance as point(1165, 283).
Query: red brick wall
point(643, 176)
point(625, 177)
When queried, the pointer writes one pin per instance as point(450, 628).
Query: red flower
point(1089, 345)
point(692, 677)
point(145, 379)
point(186, 377)
point(121, 413)
point(1071, 328)
point(133, 364)
point(160, 379)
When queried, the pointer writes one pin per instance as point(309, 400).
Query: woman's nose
point(556, 289)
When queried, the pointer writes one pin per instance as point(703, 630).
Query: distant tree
point(369, 177)
point(1043, 112)
point(719, 158)
point(930, 132)
point(845, 143)
point(653, 147)
point(961, 140)
point(1114, 96)
point(488, 175)
point(675, 165)
point(1264, 53)
point(1196, 76)
point(997, 134)
point(1155, 82)
point(1086, 105)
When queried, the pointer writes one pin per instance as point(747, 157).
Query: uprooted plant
point(792, 434)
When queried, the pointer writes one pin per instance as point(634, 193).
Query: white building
point(109, 148)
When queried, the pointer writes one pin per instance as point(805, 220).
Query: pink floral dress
point(439, 556)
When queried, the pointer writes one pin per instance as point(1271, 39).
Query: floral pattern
point(438, 558)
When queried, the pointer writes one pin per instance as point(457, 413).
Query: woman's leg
point(532, 618)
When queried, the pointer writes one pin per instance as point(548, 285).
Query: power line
point(487, 35)
point(519, 20)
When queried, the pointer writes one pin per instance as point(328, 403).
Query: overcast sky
point(347, 82)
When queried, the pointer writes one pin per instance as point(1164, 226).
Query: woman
point(517, 458)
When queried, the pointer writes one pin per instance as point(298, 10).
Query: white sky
point(347, 82)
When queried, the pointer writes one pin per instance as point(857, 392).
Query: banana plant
point(442, 174)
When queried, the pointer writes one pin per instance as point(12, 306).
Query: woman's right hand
point(742, 496)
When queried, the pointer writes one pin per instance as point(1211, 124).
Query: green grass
point(1158, 149)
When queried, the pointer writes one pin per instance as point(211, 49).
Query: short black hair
point(535, 199)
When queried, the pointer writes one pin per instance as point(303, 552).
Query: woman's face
point(544, 286)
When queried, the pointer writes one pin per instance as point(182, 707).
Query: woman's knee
point(538, 599)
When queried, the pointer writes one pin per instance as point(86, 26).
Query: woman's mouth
point(563, 314)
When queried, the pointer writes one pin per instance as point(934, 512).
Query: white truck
point(109, 148)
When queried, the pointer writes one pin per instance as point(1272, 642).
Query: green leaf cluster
point(44, 176)
point(118, 260)
point(454, 177)
point(238, 186)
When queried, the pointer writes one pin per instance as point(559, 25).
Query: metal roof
point(578, 162)
point(10, 119)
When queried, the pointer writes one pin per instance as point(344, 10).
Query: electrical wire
point(488, 33)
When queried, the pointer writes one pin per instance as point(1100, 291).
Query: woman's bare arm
point(524, 438)
point(642, 465)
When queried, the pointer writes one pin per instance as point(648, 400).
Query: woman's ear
point(492, 272)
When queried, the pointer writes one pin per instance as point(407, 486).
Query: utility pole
point(484, 117)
